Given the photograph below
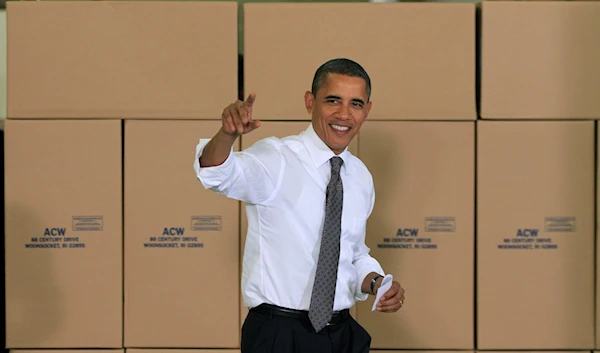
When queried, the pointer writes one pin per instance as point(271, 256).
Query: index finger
point(250, 100)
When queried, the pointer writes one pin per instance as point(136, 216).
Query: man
point(308, 199)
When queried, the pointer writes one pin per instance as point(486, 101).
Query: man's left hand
point(392, 300)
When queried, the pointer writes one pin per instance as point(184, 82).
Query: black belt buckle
point(339, 317)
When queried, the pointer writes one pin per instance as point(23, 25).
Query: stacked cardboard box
point(113, 243)
point(543, 65)
point(535, 225)
point(129, 350)
point(63, 234)
point(421, 60)
point(420, 56)
point(121, 59)
point(422, 231)
point(181, 243)
point(535, 235)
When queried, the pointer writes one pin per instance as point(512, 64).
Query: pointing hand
point(237, 117)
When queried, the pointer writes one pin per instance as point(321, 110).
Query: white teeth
point(340, 128)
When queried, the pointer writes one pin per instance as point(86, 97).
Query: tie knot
point(336, 164)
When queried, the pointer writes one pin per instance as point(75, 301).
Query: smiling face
point(338, 110)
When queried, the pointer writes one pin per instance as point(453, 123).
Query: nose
point(344, 111)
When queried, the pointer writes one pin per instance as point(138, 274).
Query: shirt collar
point(320, 153)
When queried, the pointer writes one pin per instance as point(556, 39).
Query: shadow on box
point(29, 313)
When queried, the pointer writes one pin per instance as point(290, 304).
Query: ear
point(309, 101)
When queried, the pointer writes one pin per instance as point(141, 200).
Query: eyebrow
point(338, 97)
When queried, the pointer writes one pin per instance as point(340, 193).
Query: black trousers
point(270, 333)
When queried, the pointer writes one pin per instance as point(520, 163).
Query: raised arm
point(237, 120)
point(251, 175)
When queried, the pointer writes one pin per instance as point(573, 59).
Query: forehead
point(342, 85)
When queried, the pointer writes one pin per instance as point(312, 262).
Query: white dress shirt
point(283, 182)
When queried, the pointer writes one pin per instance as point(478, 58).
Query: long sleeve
point(251, 175)
point(363, 262)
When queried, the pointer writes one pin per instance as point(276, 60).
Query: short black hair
point(341, 66)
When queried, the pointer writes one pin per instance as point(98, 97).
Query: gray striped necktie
point(323, 293)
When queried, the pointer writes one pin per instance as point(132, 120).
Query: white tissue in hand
point(386, 284)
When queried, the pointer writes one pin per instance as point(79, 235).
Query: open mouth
point(340, 128)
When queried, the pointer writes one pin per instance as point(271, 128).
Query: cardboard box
point(420, 56)
point(121, 59)
point(66, 351)
point(129, 350)
point(2, 64)
point(544, 65)
point(278, 129)
point(2, 221)
point(422, 231)
point(535, 242)
point(422, 351)
point(181, 243)
point(64, 234)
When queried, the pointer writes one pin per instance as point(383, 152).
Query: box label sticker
point(440, 224)
point(560, 224)
point(88, 223)
point(173, 238)
point(206, 223)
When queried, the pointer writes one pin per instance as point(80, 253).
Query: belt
point(274, 310)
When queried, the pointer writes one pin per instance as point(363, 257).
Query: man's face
point(338, 110)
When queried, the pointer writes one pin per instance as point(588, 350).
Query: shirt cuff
point(215, 175)
point(365, 267)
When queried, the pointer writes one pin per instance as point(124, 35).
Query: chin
point(338, 146)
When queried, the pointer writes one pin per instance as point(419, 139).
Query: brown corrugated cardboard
point(3, 64)
point(63, 234)
point(597, 239)
point(278, 129)
point(420, 56)
point(66, 351)
point(181, 243)
point(121, 59)
point(544, 65)
point(422, 231)
point(422, 351)
point(129, 350)
point(535, 235)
